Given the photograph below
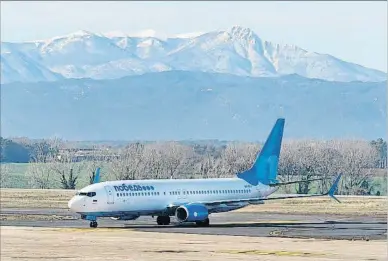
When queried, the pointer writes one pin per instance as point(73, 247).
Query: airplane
point(189, 200)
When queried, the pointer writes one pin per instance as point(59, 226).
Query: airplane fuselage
point(128, 199)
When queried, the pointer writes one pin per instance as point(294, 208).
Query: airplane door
point(110, 194)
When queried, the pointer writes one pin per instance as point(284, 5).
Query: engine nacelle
point(125, 218)
point(191, 213)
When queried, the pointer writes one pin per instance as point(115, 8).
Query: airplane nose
point(70, 203)
point(74, 204)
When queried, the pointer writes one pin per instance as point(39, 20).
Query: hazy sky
point(353, 31)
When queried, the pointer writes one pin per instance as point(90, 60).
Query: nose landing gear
point(92, 219)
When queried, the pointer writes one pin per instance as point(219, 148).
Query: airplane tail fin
point(265, 168)
point(96, 176)
point(334, 188)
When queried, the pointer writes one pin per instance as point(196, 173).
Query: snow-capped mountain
point(237, 51)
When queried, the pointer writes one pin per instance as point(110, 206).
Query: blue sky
point(352, 31)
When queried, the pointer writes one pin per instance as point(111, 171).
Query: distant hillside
point(193, 106)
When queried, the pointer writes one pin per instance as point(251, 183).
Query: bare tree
point(176, 156)
point(67, 168)
point(4, 175)
point(39, 167)
point(100, 156)
point(208, 166)
point(288, 169)
point(128, 164)
point(237, 157)
point(155, 164)
point(358, 157)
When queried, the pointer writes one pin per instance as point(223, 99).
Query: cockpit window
point(89, 194)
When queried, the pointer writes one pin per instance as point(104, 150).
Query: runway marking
point(86, 229)
point(260, 222)
point(274, 253)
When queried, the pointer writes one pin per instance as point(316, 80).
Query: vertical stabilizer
point(265, 168)
point(96, 176)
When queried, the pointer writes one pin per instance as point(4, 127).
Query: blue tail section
point(265, 168)
point(334, 188)
point(97, 176)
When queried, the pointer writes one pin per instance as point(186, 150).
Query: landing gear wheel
point(204, 223)
point(93, 224)
point(163, 220)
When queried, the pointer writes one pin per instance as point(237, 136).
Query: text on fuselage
point(124, 187)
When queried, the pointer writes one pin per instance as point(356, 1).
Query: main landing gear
point(204, 223)
point(163, 220)
point(93, 224)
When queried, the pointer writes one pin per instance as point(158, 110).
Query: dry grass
point(30, 198)
point(356, 206)
point(35, 198)
point(19, 243)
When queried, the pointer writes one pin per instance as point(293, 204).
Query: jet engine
point(133, 217)
point(191, 213)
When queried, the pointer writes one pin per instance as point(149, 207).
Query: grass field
point(35, 198)
point(21, 243)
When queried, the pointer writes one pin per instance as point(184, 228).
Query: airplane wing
point(258, 200)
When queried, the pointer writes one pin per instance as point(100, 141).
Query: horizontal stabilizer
point(334, 188)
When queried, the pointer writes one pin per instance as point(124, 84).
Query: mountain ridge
point(182, 105)
point(237, 50)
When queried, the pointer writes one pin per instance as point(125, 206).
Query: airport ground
point(36, 224)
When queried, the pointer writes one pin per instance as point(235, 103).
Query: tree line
point(54, 162)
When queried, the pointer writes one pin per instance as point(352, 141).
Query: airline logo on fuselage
point(125, 187)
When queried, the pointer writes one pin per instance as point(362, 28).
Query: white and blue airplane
point(189, 200)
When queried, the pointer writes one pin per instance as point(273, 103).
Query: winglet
point(334, 188)
point(97, 176)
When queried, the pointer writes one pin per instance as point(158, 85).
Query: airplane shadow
point(308, 225)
